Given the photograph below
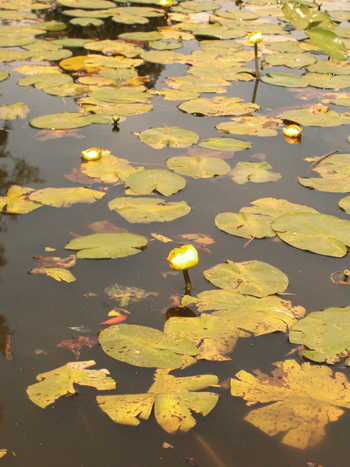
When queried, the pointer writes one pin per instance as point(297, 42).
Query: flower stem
point(256, 61)
point(187, 282)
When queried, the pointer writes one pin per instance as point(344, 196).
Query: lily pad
point(61, 121)
point(145, 181)
point(45, 79)
point(145, 210)
point(172, 136)
point(17, 202)
point(344, 203)
point(328, 41)
point(291, 60)
point(324, 335)
point(324, 81)
point(256, 172)
point(11, 112)
point(107, 245)
point(218, 106)
point(172, 398)
point(144, 346)
point(215, 337)
point(302, 400)
point(251, 125)
point(109, 47)
point(316, 115)
point(59, 382)
point(84, 22)
point(285, 80)
point(248, 278)
point(225, 144)
point(335, 67)
point(87, 4)
point(65, 197)
point(198, 167)
point(3, 75)
point(319, 233)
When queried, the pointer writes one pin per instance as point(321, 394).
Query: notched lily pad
point(218, 106)
point(256, 172)
point(17, 201)
point(172, 136)
point(198, 167)
point(61, 121)
point(251, 125)
point(225, 144)
point(145, 181)
point(65, 197)
point(316, 115)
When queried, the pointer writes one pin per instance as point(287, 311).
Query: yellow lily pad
point(198, 167)
point(172, 136)
point(145, 181)
point(17, 202)
point(218, 106)
point(255, 172)
point(65, 197)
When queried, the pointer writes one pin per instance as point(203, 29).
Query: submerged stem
point(256, 61)
point(187, 282)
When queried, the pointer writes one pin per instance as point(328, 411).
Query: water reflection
point(179, 312)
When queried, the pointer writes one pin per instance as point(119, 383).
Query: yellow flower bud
point(182, 258)
point(293, 131)
point(91, 154)
point(254, 37)
point(166, 3)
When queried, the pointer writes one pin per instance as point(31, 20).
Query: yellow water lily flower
point(293, 131)
point(166, 3)
point(183, 258)
point(254, 37)
point(91, 154)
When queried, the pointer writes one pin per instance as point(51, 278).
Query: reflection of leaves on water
point(4, 331)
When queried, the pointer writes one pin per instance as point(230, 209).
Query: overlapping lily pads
point(256, 172)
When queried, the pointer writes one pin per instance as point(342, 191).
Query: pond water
point(38, 312)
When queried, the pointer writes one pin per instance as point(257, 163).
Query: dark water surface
point(38, 312)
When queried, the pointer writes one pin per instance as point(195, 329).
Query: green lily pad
point(239, 15)
point(324, 334)
point(218, 106)
point(7, 55)
point(146, 210)
point(225, 144)
point(334, 67)
point(172, 136)
point(17, 201)
point(3, 75)
point(62, 121)
point(316, 115)
point(108, 169)
point(248, 278)
point(291, 60)
point(215, 337)
point(256, 315)
point(256, 172)
point(141, 36)
point(285, 80)
point(323, 81)
point(328, 41)
point(145, 181)
point(120, 96)
point(45, 79)
point(68, 90)
point(129, 19)
point(65, 197)
point(84, 22)
point(87, 4)
point(107, 245)
point(340, 15)
point(79, 13)
point(319, 233)
point(251, 125)
point(198, 167)
point(176, 95)
point(219, 32)
point(11, 112)
point(59, 382)
point(344, 203)
point(165, 45)
point(215, 84)
point(71, 42)
point(302, 18)
point(162, 56)
point(109, 47)
point(288, 46)
point(146, 347)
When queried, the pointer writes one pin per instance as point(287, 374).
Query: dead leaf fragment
point(167, 445)
point(78, 342)
point(54, 262)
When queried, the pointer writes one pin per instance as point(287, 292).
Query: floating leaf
point(17, 202)
point(256, 172)
point(144, 346)
point(172, 136)
point(162, 56)
point(141, 36)
point(344, 203)
point(11, 112)
point(87, 4)
point(248, 278)
point(109, 47)
point(176, 95)
point(127, 295)
point(145, 181)
point(215, 84)
point(172, 398)
point(42, 80)
point(251, 125)
point(3, 75)
point(53, 262)
point(334, 171)
point(324, 335)
point(60, 274)
point(334, 67)
point(61, 121)
point(65, 197)
point(218, 106)
point(319, 233)
point(198, 167)
point(297, 14)
point(291, 60)
point(78, 342)
point(324, 81)
point(256, 315)
point(145, 210)
point(120, 95)
point(305, 398)
point(225, 144)
point(283, 79)
point(328, 41)
point(316, 115)
point(59, 382)
point(107, 245)
point(216, 337)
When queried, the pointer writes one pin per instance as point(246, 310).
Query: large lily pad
point(45, 79)
point(330, 66)
point(304, 399)
point(107, 245)
point(319, 233)
point(324, 81)
point(108, 47)
point(218, 106)
point(316, 115)
point(256, 315)
point(65, 197)
point(87, 4)
point(172, 398)
point(256, 172)
point(291, 60)
point(198, 167)
point(11, 112)
point(216, 337)
point(61, 121)
point(144, 346)
point(225, 144)
point(172, 136)
point(324, 334)
point(285, 80)
point(146, 210)
point(59, 382)
point(145, 181)
point(251, 125)
point(17, 202)
point(248, 278)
